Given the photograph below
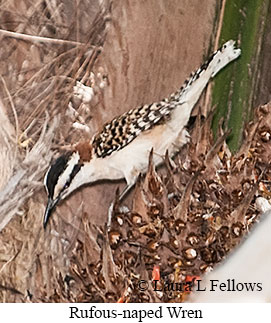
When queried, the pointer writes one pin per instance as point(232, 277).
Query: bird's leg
point(111, 207)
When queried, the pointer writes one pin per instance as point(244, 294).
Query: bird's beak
point(49, 209)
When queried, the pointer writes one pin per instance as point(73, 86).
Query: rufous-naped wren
point(121, 149)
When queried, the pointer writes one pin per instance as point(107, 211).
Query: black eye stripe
point(57, 168)
point(75, 170)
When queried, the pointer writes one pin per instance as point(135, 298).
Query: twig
point(39, 39)
point(220, 23)
point(208, 90)
point(15, 115)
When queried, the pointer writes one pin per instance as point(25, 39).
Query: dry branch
point(26, 174)
point(39, 39)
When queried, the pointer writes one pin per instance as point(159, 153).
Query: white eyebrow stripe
point(45, 180)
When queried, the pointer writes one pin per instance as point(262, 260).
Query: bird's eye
point(66, 186)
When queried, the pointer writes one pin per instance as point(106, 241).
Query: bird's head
point(67, 173)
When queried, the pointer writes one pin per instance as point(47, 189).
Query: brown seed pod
point(114, 238)
point(133, 235)
point(119, 220)
point(174, 242)
point(224, 231)
point(211, 238)
point(188, 263)
point(265, 136)
point(136, 219)
point(179, 225)
point(192, 239)
point(205, 268)
point(208, 255)
point(148, 230)
point(190, 253)
point(172, 261)
point(155, 209)
point(153, 245)
point(237, 229)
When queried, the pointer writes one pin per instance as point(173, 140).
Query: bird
point(120, 150)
